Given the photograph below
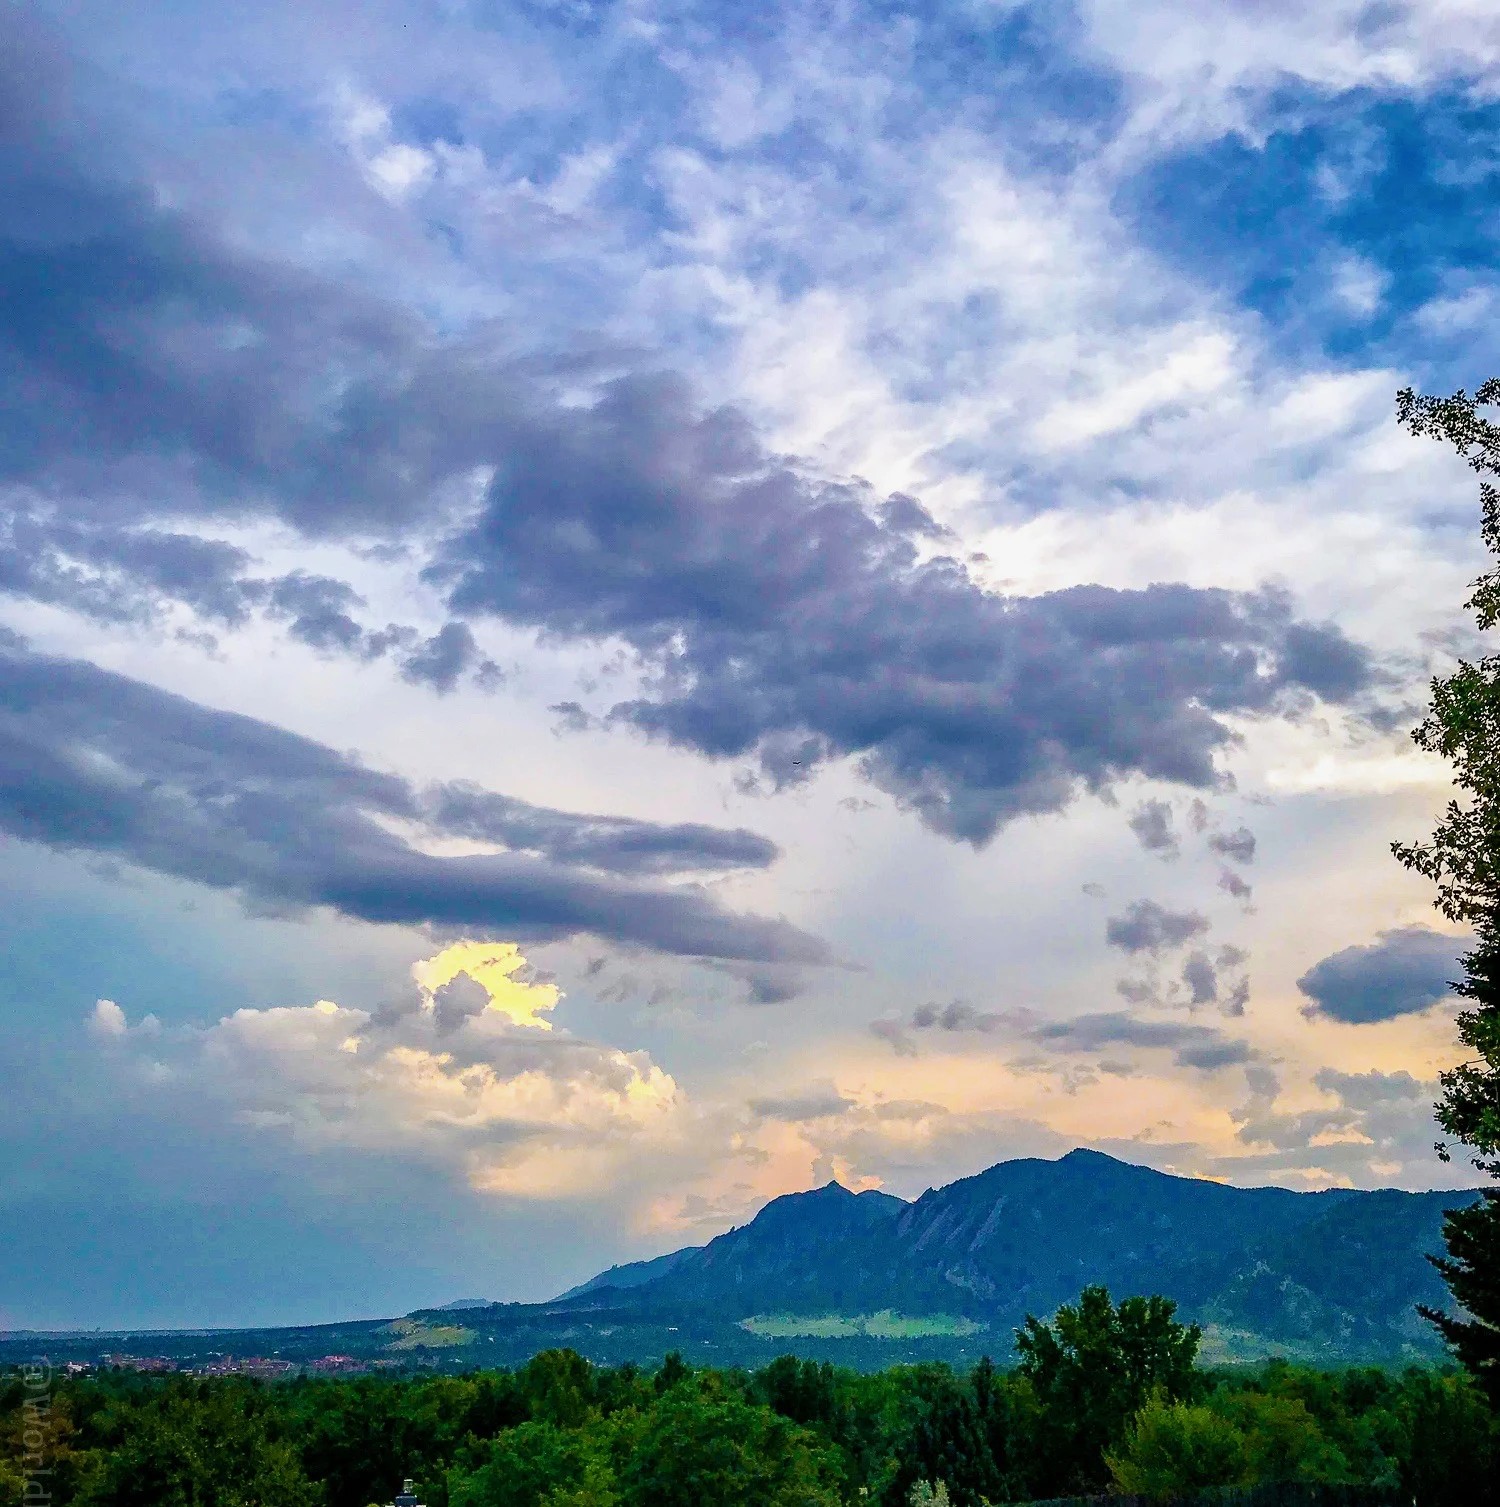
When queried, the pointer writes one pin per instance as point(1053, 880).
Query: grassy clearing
point(885, 1325)
point(414, 1335)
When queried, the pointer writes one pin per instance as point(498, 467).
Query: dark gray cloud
point(1151, 822)
point(905, 515)
point(1207, 978)
point(1238, 845)
point(1402, 971)
point(150, 368)
point(459, 1001)
point(784, 622)
point(1364, 1091)
point(817, 1102)
point(1215, 979)
point(1201, 979)
point(571, 717)
point(1195, 1046)
point(444, 659)
point(1148, 927)
point(146, 364)
point(97, 763)
point(894, 1032)
point(122, 575)
point(319, 613)
point(909, 1110)
point(1318, 658)
point(134, 575)
point(620, 843)
point(1384, 1117)
point(956, 1015)
point(1138, 991)
point(765, 984)
point(1235, 887)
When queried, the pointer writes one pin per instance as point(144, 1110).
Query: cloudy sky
point(609, 608)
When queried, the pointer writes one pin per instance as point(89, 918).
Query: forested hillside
point(1325, 1277)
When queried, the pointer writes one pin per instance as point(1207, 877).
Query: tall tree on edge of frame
point(1463, 860)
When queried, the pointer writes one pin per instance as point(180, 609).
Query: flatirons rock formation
point(1335, 1273)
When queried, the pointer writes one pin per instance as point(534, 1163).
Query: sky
point(612, 608)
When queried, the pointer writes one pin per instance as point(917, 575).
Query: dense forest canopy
point(1105, 1397)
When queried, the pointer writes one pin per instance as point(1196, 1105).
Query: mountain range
point(1323, 1275)
point(868, 1279)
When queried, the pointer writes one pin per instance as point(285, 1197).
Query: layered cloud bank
point(771, 613)
point(95, 762)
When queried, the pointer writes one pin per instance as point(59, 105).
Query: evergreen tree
point(1449, 1452)
point(802, 1390)
point(994, 1409)
point(673, 1371)
point(945, 1445)
point(1463, 860)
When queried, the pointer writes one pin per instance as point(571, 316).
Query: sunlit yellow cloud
point(493, 966)
point(512, 1115)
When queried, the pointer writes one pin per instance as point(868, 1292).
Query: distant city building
point(265, 1367)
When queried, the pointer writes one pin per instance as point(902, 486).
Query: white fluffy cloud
point(481, 1086)
point(1202, 65)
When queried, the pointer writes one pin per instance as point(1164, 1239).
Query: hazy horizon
point(449, 1302)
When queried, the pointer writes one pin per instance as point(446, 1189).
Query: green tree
point(560, 1386)
point(997, 1415)
point(701, 1447)
point(198, 1446)
point(1284, 1441)
point(1450, 1452)
point(925, 1494)
point(1092, 1369)
point(1175, 1448)
point(1463, 860)
point(673, 1371)
point(941, 1441)
point(622, 1387)
point(360, 1437)
point(528, 1465)
point(802, 1390)
point(38, 1429)
point(1234, 1438)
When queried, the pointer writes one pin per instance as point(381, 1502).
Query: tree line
point(1105, 1396)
